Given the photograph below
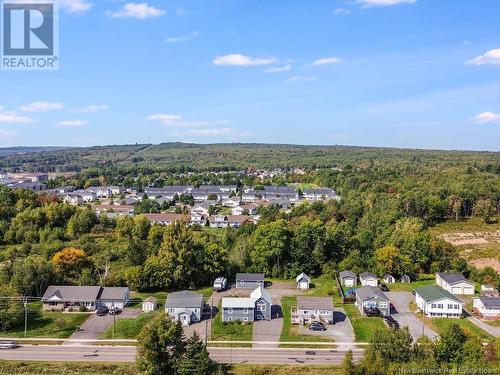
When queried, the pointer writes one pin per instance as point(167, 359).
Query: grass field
point(230, 332)
point(289, 331)
point(325, 286)
point(408, 287)
point(128, 328)
point(90, 368)
point(138, 297)
point(363, 327)
point(440, 325)
point(474, 224)
point(50, 325)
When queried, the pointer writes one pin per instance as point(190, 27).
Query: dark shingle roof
point(344, 274)
point(325, 303)
point(490, 302)
point(72, 293)
point(250, 276)
point(452, 278)
point(367, 292)
point(184, 299)
point(114, 293)
point(365, 275)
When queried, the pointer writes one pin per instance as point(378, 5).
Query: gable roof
point(250, 276)
point(184, 299)
point(345, 274)
point(433, 293)
point(259, 293)
point(72, 293)
point(453, 278)
point(114, 293)
point(302, 276)
point(325, 303)
point(367, 292)
point(235, 302)
point(492, 303)
point(150, 299)
point(367, 275)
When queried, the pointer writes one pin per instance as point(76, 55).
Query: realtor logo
point(29, 35)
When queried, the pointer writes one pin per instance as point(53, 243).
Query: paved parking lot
point(405, 317)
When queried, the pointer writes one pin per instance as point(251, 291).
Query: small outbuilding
point(489, 291)
point(348, 278)
point(220, 284)
point(303, 281)
point(368, 279)
point(405, 279)
point(389, 279)
point(149, 304)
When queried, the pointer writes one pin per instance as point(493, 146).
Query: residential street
point(406, 317)
point(226, 355)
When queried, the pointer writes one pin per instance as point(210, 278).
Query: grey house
point(256, 307)
point(185, 306)
point(249, 280)
point(311, 309)
point(58, 298)
point(368, 279)
point(348, 278)
point(369, 297)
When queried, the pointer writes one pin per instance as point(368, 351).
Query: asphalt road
point(61, 353)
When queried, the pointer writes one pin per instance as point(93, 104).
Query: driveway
point(95, 326)
point(494, 331)
point(405, 317)
point(341, 331)
point(267, 330)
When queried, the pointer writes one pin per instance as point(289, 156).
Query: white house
point(185, 306)
point(303, 281)
point(389, 279)
point(149, 304)
point(489, 291)
point(487, 308)
point(238, 210)
point(368, 279)
point(231, 202)
point(455, 283)
point(72, 199)
point(437, 302)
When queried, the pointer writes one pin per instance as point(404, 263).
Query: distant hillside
point(26, 150)
point(182, 156)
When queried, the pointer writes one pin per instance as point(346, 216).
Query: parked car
point(391, 322)
point(383, 287)
point(102, 311)
point(8, 344)
point(317, 326)
point(114, 311)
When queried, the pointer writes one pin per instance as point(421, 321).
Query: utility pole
point(423, 318)
point(25, 302)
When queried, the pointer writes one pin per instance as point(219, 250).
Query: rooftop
point(325, 303)
point(433, 293)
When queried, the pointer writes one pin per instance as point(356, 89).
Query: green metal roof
point(434, 292)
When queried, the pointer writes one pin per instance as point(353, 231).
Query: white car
point(8, 345)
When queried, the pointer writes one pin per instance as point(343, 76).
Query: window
point(242, 282)
point(245, 319)
point(245, 311)
point(382, 305)
point(261, 307)
point(306, 312)
point(440, 305)
point(172, 311)
point(450, 306)
point(230, 319)
point(195, 310)
point(433, 305)
point(52, 303)
point(230, 311)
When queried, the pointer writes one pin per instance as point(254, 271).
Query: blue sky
point(402, 73)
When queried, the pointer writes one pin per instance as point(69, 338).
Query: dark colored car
point(317, 327)
point(102, 311)
point(114, 311)
point(383, 287)
point(391, 322)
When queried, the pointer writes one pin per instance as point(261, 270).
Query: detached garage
point(455, 283)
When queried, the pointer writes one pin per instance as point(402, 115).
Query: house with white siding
point(487, 308)
point(437, 302)
point(368, 279)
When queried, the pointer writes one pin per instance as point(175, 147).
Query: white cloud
point(42, 106)
point(75, 6)
point(13, 118)
point(91, 109)
point(384, 3)
point(164, 118)
point(301, 79)
point(137, 10)
point(485, 117)
point(491, 57)
point(243, 60)
point(182, 38)
point(328, 61)
point(341, 12)
point(72, 123)
point(278, 69)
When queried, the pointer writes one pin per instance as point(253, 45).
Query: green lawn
point(138, 297)
point(440, 325)
point(364, 327)
point(128, 328)
point(230, 331)
point(50, 325)
point(325, 286)
point(290, 331)
point(408, 287)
